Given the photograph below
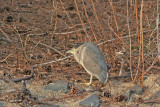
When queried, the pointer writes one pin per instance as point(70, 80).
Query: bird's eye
point(77, 51)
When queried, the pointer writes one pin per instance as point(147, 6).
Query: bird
point(92, 59)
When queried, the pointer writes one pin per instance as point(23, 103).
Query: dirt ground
point(35, 32)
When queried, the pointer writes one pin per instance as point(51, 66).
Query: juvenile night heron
point(92, 59)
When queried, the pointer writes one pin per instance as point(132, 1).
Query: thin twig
point(24, 78)
point(155, 60)
point(64, 33)
point(157, 26)
point(80, 18)
point(88, 20)
point(5, 58)
point(130, 42)
point(52, 61)
point(104, 37)
point(7, 37)
point(115, 22)
point(98, 19)
point(55, 27)
point(48, 47)
point(137, 22)
point(69, 18)
point(141, 30)
point(138, 37)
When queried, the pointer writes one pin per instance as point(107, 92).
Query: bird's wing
point(93, 61)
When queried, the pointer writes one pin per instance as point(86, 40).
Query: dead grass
point(37, 32)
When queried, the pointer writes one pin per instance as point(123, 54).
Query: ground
point(35, 32)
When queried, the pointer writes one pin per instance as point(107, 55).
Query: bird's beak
point(71, 51)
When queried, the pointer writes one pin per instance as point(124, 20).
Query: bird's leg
point(90, 82)
point(122, 63)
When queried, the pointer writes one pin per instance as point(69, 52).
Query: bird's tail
point(103, 77)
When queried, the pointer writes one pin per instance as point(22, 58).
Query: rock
point(45, 105)
point(58, 86)
point(158, 81)
point(1, 104)
point(136, 89)
point(90, 101)
point(127, 94)
point(133, 99)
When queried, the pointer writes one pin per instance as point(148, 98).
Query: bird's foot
point(87, 84)
point(84, 83)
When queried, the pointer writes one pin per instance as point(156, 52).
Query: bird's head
point(74, 49)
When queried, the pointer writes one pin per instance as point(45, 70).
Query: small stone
point(90, 101)
point(127, 94)
point(58, 86)
point(45, 105)
point(136, 89)
point(1, 104)
point(133, 99)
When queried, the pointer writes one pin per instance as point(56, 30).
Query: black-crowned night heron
point(92, 59)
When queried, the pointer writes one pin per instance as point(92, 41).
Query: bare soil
point(39, 31)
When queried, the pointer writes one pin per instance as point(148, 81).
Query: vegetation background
point(37, 33)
